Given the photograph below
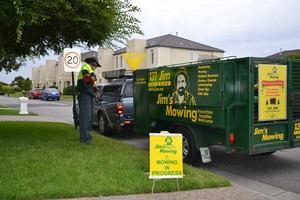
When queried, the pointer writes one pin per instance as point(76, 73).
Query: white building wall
point(105, 56)
point(63, 79)
point(35, 71)
point(43, 76)
point(50, 73)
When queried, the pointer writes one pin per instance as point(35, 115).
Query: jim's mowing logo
point(167, 147)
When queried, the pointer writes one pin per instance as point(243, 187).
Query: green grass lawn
point(67, 97)
point(14, 112)
point(62, 97)
point(1, 106)
point(45, 161)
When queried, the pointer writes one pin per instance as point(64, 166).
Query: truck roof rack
point(200, 62)
point(117, 74)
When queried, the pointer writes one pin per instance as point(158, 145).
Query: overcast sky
point(241, 28)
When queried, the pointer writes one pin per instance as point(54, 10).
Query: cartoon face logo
point(169, 144)
point(181, 84)
point(168, 140)
point(274, 70)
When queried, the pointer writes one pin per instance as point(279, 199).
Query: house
point(282, 54)
point(160, 51)
point(163, 50)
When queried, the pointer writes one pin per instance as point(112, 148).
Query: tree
point(26, 84)
point(8, 90)
point(19, 78)
point(31, 28)
point(292, 56)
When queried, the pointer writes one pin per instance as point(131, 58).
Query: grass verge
point(62, 97)
point(15, 112)
point(1, 106)
point(46, 161)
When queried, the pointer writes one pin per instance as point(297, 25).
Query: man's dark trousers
point(85, 116)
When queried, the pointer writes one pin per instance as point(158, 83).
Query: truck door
point(295, 102)
point(271, 131)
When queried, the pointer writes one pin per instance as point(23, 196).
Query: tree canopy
point(31, 28)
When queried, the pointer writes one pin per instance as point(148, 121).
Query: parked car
point(50, 93)
point(113, 111)
point(35, 94)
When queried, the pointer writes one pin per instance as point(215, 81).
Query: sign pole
point(72, 63)
point(75, 115)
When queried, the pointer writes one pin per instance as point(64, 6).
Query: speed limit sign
point(72, 60)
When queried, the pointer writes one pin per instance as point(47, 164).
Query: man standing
point(87, 88)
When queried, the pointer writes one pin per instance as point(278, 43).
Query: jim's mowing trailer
point(248, 104)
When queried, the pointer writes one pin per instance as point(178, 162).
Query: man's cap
point(94, 61)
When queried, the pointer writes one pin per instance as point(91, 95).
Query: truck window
point(111, 90)
point(128, 91)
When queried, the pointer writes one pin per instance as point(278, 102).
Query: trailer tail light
point(120, 107)
point(231, 138)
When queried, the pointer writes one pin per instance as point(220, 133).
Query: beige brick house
point(160, 51)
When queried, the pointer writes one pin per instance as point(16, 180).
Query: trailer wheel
point(190, 154)
point(103, 125)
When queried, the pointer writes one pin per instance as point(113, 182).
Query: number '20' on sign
point(72, 61)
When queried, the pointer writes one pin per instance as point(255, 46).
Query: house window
point(199, 57)
point(152, 56)
point(191, 56)
point(117, 64)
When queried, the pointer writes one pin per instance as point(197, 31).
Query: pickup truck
point(114, 109)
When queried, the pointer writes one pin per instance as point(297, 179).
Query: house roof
point(178, 42)
point(88, 54)
point(174, 42)
point(282, 54)
point(123, 50)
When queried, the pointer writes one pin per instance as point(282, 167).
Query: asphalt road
point(280, 169)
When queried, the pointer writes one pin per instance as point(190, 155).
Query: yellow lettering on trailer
point(277, 136)
point(260, 131)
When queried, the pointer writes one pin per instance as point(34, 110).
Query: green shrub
point(68, 90)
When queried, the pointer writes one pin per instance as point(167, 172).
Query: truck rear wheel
point(190, 154)
point(103, 125)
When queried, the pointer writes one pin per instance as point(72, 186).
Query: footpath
point(242, 188)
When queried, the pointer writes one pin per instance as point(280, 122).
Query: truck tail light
point(120, 107)
point(231, 138)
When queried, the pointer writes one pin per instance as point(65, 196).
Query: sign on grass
point(165, 156)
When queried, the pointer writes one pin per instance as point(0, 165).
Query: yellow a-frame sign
point(134, 59)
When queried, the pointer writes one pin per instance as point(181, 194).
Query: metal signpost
point(72, 63)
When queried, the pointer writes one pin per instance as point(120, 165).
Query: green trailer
point(244, 104)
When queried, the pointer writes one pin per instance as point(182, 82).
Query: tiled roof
point(178, 42)
point(89, 54)
point(174, 42)
point(282, 54)
point(123, 50)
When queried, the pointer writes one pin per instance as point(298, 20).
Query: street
point(280, 169)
